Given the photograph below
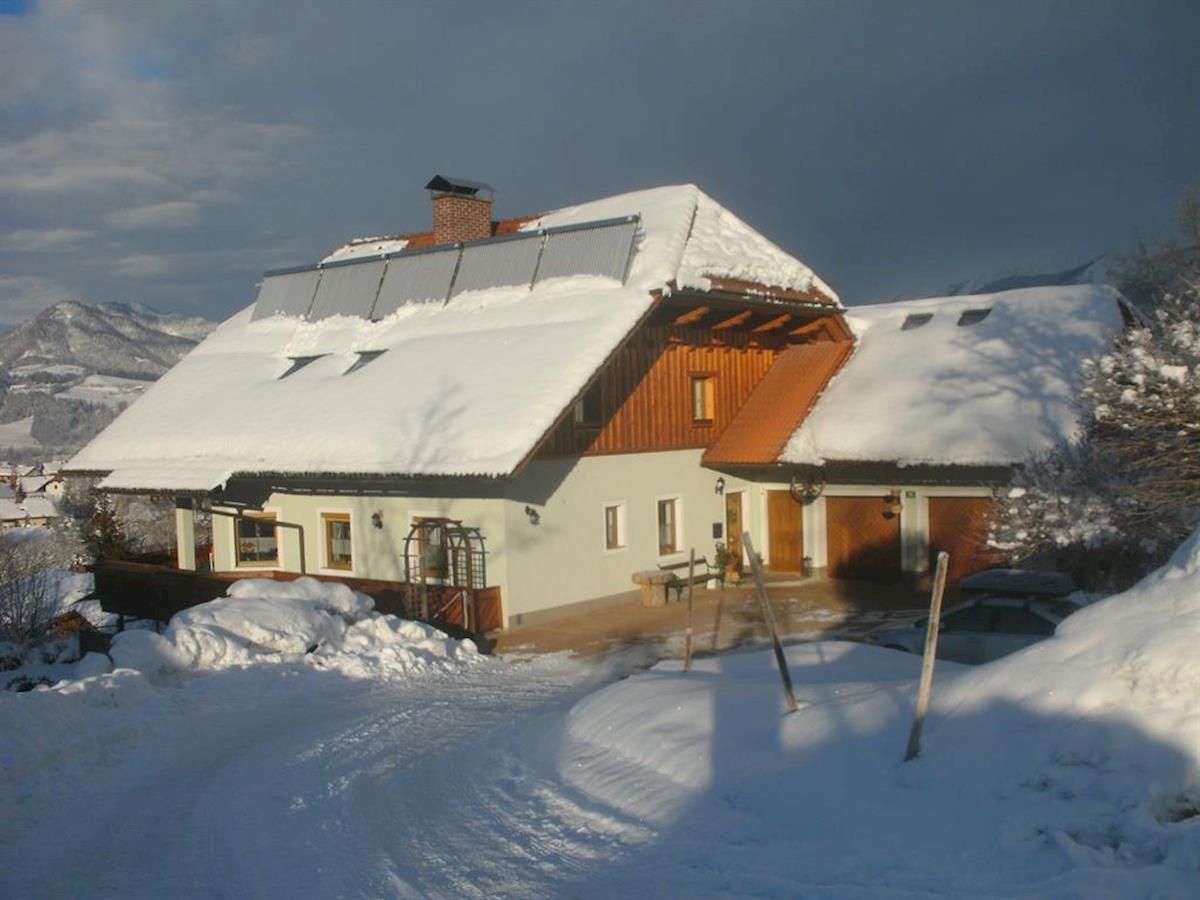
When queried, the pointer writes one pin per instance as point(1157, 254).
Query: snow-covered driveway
point(385, 760)
point(297, 784)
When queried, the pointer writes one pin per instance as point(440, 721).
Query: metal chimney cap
point(443, 184)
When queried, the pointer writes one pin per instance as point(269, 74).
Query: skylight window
point(364, 357)
point(298, 363)
point(973, 316)
point(916, 320)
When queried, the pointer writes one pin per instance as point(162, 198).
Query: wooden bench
point(704, 572)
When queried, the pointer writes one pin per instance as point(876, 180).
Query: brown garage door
point(785, 532)
point(863, 536)
point(958, 525)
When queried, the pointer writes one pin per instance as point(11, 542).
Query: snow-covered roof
point(463, 388)
point(29, 508)
point(366, 247)
point(31, 484)
point(932, 391)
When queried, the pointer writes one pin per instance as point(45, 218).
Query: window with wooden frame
point(614, 526)
point(703, 398)
point(255, 540)
point(587, 410)
point(668, 526)
point(338, 553)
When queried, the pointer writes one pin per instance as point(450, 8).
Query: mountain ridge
point(74, 366)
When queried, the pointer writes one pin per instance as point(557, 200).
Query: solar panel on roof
point(288, 294)
point(419, 278)
point(600, 250)
point(348, 290)
point(497, 264)
point(375, 288)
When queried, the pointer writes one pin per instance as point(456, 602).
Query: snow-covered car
point(1013, 609)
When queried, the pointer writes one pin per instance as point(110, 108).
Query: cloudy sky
point(167, 153)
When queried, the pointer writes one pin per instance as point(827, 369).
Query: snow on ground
point(109, 390)
point(18, 434)
point(262, 621)
point(1067, 770)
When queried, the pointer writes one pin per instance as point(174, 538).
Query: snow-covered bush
point(31, 560)
point(1129, 487)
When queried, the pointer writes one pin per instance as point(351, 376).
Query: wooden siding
point(762, 427)
point(646, 392)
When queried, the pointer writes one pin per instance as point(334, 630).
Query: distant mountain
point(106, 339)
point(69, 370)
point(1011, 281)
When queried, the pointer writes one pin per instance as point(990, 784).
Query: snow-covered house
point(590, 393)
point(901, 453)
point(28, 512)
point(550, 382)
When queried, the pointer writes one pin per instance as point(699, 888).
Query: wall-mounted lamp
point(377, 518)
point(892, 505)
point(720, 489)
point(534, 516)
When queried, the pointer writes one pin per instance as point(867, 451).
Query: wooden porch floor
point(725, 618)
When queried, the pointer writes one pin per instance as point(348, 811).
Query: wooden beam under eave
point(830, 328)
point(692, 315)
point(772, 324)
point(814, 329)
point(736, 319)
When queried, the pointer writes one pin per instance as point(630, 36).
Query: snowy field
point(109, 390)
point(288, 742)
point(18, 434)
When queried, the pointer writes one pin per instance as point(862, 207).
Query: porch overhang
point(881, 472)
point(189, 480)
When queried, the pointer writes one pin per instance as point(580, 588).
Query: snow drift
point(262, 621)
point(1070, 769)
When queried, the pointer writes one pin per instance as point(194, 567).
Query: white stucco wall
point(376, 552)
point(558, 561)
point(562, 559)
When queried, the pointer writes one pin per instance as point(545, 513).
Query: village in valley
point(707, 520)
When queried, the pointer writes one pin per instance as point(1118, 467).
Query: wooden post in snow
point(687, 635)
point(931, 636)
point(769, 615)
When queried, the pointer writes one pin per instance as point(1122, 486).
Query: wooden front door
point(785, 531)
point(958, 525)
point(733, 526)
point(863, 535)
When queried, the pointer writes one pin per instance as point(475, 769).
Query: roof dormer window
point(973, 316)
point(915, 320)
point(298, 363)
point(364, 357)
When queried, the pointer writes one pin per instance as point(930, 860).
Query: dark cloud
point(169, 153)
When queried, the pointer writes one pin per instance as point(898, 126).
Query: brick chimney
point(462, 210)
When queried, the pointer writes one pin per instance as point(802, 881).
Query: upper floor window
point(587, 410)
point(336, 527)
point(255, 541)
point(703, 397)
